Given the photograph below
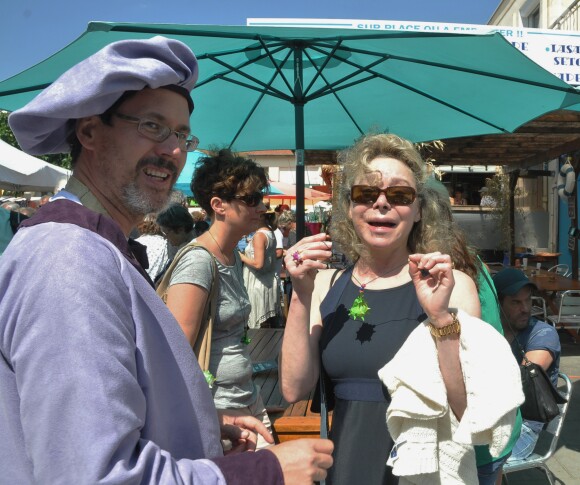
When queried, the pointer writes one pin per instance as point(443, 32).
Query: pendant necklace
point(219, 247)
point(360, 306)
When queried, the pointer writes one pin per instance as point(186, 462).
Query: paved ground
point(565, 463)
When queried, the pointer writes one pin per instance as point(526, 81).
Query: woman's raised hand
point(432, 275)
point(305, 258)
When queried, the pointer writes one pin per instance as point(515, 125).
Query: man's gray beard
point(138, 203)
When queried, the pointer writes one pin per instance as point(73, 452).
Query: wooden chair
point(553, 428)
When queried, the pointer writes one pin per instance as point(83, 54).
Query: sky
point(32, 30)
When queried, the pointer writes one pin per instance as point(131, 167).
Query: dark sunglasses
point(251, 200)
point(396, 195)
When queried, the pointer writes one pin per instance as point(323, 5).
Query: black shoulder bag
point(542, 398)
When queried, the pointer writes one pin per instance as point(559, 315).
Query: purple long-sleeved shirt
point(97, 381)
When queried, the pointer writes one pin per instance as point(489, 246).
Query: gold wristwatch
point(453, 328)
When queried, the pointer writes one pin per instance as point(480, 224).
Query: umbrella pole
point(298, 102)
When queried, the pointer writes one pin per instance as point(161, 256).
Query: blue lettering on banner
point(569, 78)
point(464, 29)
point(506, 33)
point(523, 46)
point(368, 26)
point(566, 61)
point(564, 49)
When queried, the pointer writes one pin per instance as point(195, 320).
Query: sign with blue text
point(557, 51)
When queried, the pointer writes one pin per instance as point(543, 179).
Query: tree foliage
point(60, 159)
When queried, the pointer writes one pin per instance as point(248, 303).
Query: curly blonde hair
point(355, 162)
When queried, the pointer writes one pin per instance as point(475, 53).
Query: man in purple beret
point(97, 381)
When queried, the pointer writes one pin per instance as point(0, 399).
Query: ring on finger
point(297, 258)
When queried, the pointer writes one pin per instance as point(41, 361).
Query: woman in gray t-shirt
point(230, 190)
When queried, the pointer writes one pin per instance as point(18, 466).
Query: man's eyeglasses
point(396, 195)
point(158, 132)
point(251, 200)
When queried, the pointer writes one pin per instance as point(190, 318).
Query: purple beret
point(92, 86)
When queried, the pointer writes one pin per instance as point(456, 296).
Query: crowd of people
point(99, 378)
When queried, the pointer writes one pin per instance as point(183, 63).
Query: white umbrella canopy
point(22, 172)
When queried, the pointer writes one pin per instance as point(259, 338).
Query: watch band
point(453, 328)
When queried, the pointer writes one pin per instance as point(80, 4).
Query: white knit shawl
point(431, 447)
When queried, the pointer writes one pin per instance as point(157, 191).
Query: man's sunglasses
point(396, 195)
point(251, 200)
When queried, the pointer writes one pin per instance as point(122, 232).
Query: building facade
point(539, 198)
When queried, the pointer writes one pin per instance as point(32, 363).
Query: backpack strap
point(202, 346)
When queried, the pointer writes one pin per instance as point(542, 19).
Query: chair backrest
point(539, 308)
point(569, 305)
point(554, 427)
point(561, 269)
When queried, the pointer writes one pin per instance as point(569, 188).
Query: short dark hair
point(201, 227)
point(175, 217)
point(225, 176)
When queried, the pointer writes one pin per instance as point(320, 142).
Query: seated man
point(539, 341)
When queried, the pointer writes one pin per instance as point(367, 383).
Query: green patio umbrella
point(296, 88)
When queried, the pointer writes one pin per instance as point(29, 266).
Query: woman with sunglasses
point(355, 321)
point(230, 190)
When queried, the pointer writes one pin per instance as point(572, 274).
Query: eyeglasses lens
point(159, 132)
point(396, 195)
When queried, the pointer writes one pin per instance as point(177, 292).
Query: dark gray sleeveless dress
point(352, 354)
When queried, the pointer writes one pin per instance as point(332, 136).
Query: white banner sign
point(557, 51)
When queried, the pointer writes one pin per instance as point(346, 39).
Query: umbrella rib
point(329, 56)
point(421, 93)
point(329, 87)
point(254, 47)
point(27, 89)
point(488, 74)
point(223, 76)
point(568, 89)
point(332, 89)
point(254, 88)
point(251, 112)
point(358, 70)
point(276, 65)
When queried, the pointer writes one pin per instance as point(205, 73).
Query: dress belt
point(361, 390)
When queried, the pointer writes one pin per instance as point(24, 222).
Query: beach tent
point(22, 172)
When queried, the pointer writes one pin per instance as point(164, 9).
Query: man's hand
point(304, 461)
point(242, 431)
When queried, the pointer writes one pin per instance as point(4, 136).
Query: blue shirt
point(539, 335)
